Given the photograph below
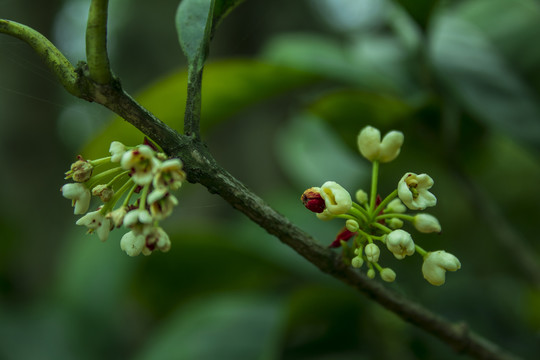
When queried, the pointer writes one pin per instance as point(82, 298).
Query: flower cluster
point(373, 222)
point(139, 179)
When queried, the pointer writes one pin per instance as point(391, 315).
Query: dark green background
point(287, 88)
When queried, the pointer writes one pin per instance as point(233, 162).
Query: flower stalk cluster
point(373, 222)
point(135, 187)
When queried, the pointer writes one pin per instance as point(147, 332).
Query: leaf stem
point(96, 42)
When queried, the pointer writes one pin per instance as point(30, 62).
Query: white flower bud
point(394, 223)
point(400, 243)
point(362, 197)
point(338, 200)
point(391, 146)
point(388, 275)
point(436, 264)
point(372, 252)
point(413, 191)
point(396, 206)
point(132, 243)
point(352, 225)
point(369, 143)
point(371, 273)
point(426, 223)
point(357, 262)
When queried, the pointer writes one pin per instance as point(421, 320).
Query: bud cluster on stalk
point(373, 222)
point(135, 187)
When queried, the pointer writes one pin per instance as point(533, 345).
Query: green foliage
point(194, 24)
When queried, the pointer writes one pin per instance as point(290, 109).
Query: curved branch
point(96, 42)
point(202, 168)
point(53, 58)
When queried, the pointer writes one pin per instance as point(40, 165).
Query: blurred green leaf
point(228, 87)
point(194, 25)
point(235, 326)
point(311, 153)
point(378, 62)
point(345, 110)
point(474, 51)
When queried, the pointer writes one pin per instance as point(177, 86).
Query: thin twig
point(96, 42)
point(53, 58)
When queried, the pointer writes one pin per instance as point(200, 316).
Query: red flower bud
point(344, 235)
point(313, 200)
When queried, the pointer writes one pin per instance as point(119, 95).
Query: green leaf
point(229, 86)
point(475, 53)
point(222, 8)
point(193, 25)
point(308, 149)
point(353, 109)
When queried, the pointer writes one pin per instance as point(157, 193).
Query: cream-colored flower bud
point(394, 223)
point(117, 216)
point(357, 262)
point(371, 273)
point(388, 275)
point(396, 206)
point(338, 200)
point(413, 191)
point(400, 243)
point(436, 264)
point(362, 197)
point(426, 223)
point(369, 143)
point(391, 146)
point(372, 252)
point(352, 225)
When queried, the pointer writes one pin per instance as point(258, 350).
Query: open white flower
point(426, 223)
point(132, 243)
point(117, 150)
point(338, 200)
point(400, 243)
point(96, 222)
point(156, 238)
point(372, 148)
point(142, 164)
point(169, 175)
point(436, 264)
point(413, 191)
point(161, 203)
point(79, 196)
